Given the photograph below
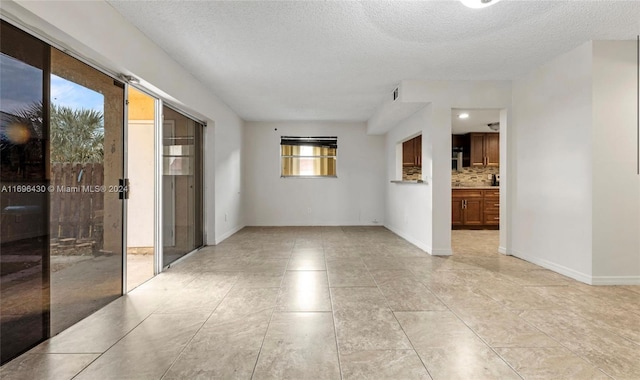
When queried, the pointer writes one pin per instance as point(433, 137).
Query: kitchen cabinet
point(412, 152)
point(475, 208)
point(484, 149)
point(491, 208)
point(467, 207)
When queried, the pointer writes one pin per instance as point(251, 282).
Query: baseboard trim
point(440, 252)
point(587, 279)
point(227, 235)
point(320, 224)
point(410, 239)
point(420, 244)
point(615, 280)
point(503, 250)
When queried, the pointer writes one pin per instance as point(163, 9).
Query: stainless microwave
point(456, 161)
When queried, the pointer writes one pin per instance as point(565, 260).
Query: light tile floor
point(350, 303)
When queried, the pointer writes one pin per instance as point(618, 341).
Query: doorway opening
point(475, 180)
point(141, 121)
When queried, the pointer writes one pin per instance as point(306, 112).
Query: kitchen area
point(475, 170)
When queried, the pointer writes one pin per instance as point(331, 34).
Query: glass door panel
point(24, 174)
point(87, 135)
point(181, 185)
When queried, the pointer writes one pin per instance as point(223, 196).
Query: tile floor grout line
point(476, 334)
point(85, 367)
point(199, 328)
point(400, 324)
point(576, 353)
point(525, 321)
point(117, 341)
point(273, 311)
point(607, 328)
point(561, 307)
point(333, 319)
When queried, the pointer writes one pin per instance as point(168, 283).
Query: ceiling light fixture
point(463, 116)
point(478, 3)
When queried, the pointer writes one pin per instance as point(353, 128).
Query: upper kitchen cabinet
point(484, 149)
point(412, 152)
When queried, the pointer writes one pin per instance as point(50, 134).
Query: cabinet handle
point(496, 218)
point(496, 205)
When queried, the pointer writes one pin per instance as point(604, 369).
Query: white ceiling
point(338, 60)
point(477, 121)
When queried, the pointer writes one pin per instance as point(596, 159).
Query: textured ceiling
point(338, 60)
point(477, 121)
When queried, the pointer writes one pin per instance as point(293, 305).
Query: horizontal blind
point(319, 141)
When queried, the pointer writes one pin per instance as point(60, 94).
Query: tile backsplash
point(478, 176)
point(411, 173)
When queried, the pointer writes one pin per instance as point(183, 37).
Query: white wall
point(228, 179)
point(616, 206)
point(576, 208)
point(99, 34)
point(356, 197)
point(551, 136)
point(408, 207)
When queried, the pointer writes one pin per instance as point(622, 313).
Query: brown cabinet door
point(472, 214)
point(418, 150)
point(408, 153)
point(456, 212)
point(477, 149)
point(492, 149)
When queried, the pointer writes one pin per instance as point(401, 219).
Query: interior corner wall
point(355, 197)
point(408, 207)
point(616, 205)
point(98, 33)
point(551, 205)
point(228, 132)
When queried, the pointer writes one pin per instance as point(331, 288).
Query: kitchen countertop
point(480, 187)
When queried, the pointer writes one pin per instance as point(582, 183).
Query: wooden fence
point(77, 203)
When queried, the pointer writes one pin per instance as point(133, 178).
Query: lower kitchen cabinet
point(467, 207)
point(491, 208)
point(475, 209)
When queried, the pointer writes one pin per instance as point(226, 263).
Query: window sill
point(308, 176)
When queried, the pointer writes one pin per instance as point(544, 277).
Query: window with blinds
point(308, 156)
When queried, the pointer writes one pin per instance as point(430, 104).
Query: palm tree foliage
point(77, 135)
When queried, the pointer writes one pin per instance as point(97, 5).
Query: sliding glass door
point(24, 179)
point(64, 194)
point(182, 226)
point(87, 135)
point(62, 125)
